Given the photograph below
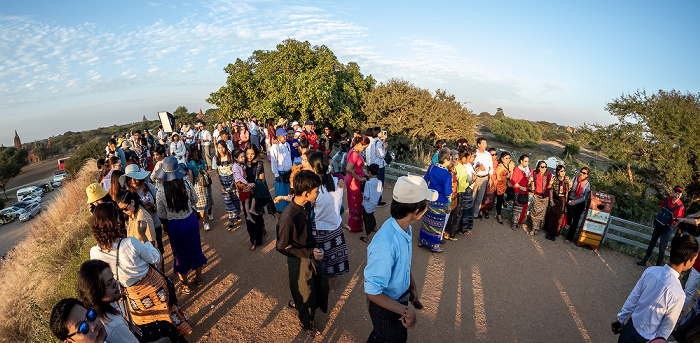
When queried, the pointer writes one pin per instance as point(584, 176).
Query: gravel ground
point(494, 285)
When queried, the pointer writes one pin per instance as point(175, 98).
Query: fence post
point(605, 231)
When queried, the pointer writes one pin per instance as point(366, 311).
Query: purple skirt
point(186, 244)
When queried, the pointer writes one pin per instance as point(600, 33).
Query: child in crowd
point(307, 278)
point(304, 146)
point(370, 198)
point(246, 197)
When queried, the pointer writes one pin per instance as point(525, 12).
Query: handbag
point(284, 176)
point(388, 158)
point(203, 178)
point(523, 198)
point(665, 216)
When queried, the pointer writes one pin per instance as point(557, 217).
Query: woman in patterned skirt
point(558, 191)
point(439, 179)
point(522, 176)
point(327, 228)
point(540, 198)
point(205, 200)
point(222, 163)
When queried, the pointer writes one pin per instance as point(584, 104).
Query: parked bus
point(62, 162)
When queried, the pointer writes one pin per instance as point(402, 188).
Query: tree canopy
point(401, 108)
point(11, 162)
point(296, 81)
point(519, 132)
point(655, 137)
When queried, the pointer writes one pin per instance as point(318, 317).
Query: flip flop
point(198, 282)
point(364, 239)
point(185, 290)
point(291, 304)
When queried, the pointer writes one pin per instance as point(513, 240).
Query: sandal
point(364, 239)
point(312, 332)
point(230, 227)
point(438, 250)
point(185, 290)
point(291, 304)
point(198, 282)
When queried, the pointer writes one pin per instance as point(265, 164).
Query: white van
point(29, 191)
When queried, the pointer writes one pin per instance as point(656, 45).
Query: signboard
point(167, 120)
point(596, 219)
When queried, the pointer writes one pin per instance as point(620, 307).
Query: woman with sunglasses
point(578, 196)
point(99, 291)
point(558, 191)
point(521, 179)
point(540, 199)
point(131, 260)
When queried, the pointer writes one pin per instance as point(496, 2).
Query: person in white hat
point(389, 283)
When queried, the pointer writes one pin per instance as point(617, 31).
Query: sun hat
point(295, 123)
point(133, 171)
point(412, 189)
point(170, 170)
point(95, 192)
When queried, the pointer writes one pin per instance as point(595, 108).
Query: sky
point(77, 65)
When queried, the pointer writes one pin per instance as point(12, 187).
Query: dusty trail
point(494, 285)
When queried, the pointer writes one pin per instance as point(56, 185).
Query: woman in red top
point(522, 176)
point(355, 177)
point(540, 198)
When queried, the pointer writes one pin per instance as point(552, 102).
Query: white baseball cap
point(412, 189)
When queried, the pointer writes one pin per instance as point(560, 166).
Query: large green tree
point(401, 108)
point(11, 162)
point(655, 137)
point(296, 81)
point(519, 132)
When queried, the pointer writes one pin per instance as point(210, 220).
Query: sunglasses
point(83, 327)
point(543, 167)
point(493, 154)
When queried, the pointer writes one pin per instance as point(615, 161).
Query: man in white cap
point(389, 284)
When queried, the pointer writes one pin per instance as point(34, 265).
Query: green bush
point(518, 132)
point(571, 149)
point(93, 149)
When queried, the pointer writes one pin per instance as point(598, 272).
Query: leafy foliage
point(571, 149)
point(11, 162)
point(401, 108)
point(91, 150)
point(296, 81)
point(653, 136)
point(519, 132)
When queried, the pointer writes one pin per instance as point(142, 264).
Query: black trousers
point(573, 214)
point(386, 324)
point(630, 335)
point(499, 203)
point(369, 220)
point(663, 234)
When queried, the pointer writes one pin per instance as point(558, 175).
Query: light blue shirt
point(388, 267)
point(655, 303)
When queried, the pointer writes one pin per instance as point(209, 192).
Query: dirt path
point(495, 285)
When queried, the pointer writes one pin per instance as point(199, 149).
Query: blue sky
point(75, 65)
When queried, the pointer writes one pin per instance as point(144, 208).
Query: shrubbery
point(518, 132)
point(93, 149)
point(571, 149)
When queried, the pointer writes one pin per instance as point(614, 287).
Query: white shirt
point(373, 191)
point(655, 302)
point(161, 137)
point(470, 172)
point(205, 137)
point(485, 159)
point(178, 151)
point(376, 153)
point(134, 258)
point(216, 135)
point(117, 328)
point(280, 158)
point(327, 208)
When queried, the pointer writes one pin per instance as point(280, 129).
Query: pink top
point(244, 136)
point(238, 173)
point(357, 161)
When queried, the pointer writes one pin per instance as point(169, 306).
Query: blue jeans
point(281, 189)
point(663, 234)
point(380, 177)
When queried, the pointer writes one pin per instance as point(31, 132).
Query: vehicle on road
point(6, 219)
point(56, 184)
point(31, 199)
point(60, 177)
point(47, 187)
point(30, 212)
point(11, 211)
point(29, 191)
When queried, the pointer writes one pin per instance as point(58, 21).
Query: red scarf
point(579, 186)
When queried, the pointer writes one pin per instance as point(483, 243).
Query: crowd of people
point(151, 185)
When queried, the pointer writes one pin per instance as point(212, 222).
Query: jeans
point(573, 213)
point(340, 160)
point(662, 233)
point(479, 190)
point(380, 177)
point(691, 286)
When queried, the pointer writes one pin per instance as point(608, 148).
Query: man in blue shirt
point(389, 283)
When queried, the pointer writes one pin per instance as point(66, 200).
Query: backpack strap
point(117, 267)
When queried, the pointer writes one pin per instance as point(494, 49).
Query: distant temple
point(143, 120)
point(18, 143)
point(200, 116)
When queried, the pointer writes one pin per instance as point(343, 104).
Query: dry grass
point(44, 265)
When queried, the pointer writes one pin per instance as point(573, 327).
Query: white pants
point(690, 286)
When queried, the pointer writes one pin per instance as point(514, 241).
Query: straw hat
point(133, 171)
point(170, 170)
point(95, 192)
